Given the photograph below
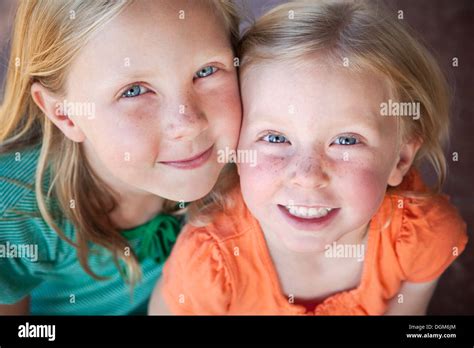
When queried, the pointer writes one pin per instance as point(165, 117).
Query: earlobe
point(49, 105)
point(405, 159)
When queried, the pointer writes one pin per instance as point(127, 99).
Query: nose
point(308, 172)
point(184, 120)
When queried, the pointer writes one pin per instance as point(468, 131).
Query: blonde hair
point(47, 36)
point(364, 33)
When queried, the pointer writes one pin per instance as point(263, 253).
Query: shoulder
point(230, 223)
point(200, 269)
point(218, 239)
point(30, 251)
point(432, 221)
point(20, 163)
point(196, 278)
point(21, 222)
point(214, 241)
point(17, 178)
point(427, 235)
point(29, 248)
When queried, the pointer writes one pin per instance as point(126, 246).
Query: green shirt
point(35, 261)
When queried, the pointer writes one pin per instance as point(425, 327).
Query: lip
point(192, 162)
point(313, 224)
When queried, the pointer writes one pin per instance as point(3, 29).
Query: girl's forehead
point(312, 82)
point(175, 19)
point(149, 39)
point(280, 92)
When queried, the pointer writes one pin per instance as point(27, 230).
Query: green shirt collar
point(157, 236)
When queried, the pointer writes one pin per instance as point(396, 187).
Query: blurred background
point(447, 28)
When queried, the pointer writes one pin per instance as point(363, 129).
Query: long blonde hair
point(47, 36)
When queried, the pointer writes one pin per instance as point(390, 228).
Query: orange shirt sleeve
point(195, 277)
point(432, 235)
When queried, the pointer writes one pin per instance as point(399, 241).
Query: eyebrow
point(216, 55)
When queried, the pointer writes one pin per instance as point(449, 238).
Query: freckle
point(272, 164)
point(276, 163)
point(190, 119)
point(170, 128)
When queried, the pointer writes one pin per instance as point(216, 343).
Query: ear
point(405, 159)
point(50, 104)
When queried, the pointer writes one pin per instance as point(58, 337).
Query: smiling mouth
point(191, 162)
point(308, 218)
point(308, 212)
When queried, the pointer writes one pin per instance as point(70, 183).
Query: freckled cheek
point(128, 139)
point(223, 109)
point(261, 181)
point(361, 187)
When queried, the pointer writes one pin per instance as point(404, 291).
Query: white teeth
point(308, 213)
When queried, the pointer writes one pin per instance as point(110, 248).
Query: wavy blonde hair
point(47, 36)
point(371, 39)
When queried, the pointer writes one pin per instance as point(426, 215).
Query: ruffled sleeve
point(195, 277)
point(432, 235)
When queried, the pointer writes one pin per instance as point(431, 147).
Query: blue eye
point(134, 91)
point(275, 138)
point(346, 140)
point(206, 71)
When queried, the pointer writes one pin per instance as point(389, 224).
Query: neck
point(313, 260)
point(134, 210)
point(134, 206)
point(313, 275)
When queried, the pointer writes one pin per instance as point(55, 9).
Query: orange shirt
point(225, 267)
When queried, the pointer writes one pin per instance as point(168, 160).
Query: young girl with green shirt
point(113, 116)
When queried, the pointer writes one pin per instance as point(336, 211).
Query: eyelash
point(351, 136)
point(274, 134)
point(213, 71)
point(131, 87)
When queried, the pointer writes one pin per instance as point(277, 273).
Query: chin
point(188, 194)
point(304, 245)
